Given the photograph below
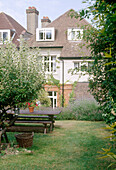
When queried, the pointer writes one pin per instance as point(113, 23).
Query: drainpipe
point(62, 83)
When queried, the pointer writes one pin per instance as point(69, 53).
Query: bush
point(43, 98)
point(81, 110)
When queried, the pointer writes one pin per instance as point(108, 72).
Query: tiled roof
point(7, 22)
point(61, 24)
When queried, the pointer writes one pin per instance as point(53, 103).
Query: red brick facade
point(67, 91)
point(81, 92)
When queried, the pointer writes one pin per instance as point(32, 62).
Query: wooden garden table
point(38, 117)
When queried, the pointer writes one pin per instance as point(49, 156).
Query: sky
point(51, 8)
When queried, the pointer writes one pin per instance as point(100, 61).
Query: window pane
point(5, 36)
point(90, 65)
point(73, 35)
point(41, 35)
point(55, 93)
point(48, 35)
point(78, 35)
point(76, 65)
point(51, 66)
point(51, 102)
point(50, 93)
point(54, 67)
point(84, 67)
point(46, 58)
point(54, 102)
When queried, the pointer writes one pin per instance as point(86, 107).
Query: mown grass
point(73, 145)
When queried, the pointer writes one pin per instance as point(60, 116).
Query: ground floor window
point(53, 97)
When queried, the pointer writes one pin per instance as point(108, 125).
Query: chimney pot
point(33, 7)
point(45, 21)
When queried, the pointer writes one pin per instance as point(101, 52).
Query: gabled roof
point(61, 25)
point(7, 22)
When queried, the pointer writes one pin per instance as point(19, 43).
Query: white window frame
point(80, 63)
point(76, 31)
point(50, 64)
point(1, 33)
point(54, 97)
point(44, 31)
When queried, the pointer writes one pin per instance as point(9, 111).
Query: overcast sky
point(50, 8)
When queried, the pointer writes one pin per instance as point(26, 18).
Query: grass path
point(73, 145)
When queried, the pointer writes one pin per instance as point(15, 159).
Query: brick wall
point(67, 91)
point(81, 92)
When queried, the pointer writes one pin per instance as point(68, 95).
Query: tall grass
point(81, 110)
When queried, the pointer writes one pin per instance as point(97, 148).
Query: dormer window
point(4, 36)
point(75, 34)
point(45, 34)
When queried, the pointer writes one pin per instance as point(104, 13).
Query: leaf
point(103, 157)
point(106, 150)
point(106, 64)
point(111, 164)
point(107, 55)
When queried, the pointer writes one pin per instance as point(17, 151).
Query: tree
point(21, 77)
point(101, 39)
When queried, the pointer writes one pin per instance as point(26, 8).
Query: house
point(11, 30)
point(59, 43)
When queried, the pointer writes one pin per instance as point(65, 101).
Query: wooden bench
point(25, 119)
point(36, 118)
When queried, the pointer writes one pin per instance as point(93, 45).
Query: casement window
point(45, 34)
point(82, 65)
point(4, 35)
point(53, 97)
point(49, 64)
point(75, 34)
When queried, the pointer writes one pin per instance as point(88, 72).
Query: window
point(53, 97)
point(4, 35)
point(45, 34)
point(75, 34)
point(49, 63)
point(81, 65)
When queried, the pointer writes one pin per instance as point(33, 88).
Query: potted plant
point(31, 105)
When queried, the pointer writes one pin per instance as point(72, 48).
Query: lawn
point(73, 145)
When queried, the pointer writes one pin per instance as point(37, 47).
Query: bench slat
point(34, 121)
point(21, 116)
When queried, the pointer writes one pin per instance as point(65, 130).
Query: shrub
point(43, 98)
point(81, 110)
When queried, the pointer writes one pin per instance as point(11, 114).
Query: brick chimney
point(45, 21)
point(32, 19)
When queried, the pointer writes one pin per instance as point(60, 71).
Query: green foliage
point(111, 152)
point(43, 98)
point(21, 76)
point(101, 39)
point(72, 94)
point(81, 110)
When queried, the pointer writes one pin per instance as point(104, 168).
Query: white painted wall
point(68, 64)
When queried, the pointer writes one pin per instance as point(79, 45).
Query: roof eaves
point(75, 58)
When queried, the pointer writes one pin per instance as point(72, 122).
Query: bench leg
point(45, 128)
point(51, 127)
